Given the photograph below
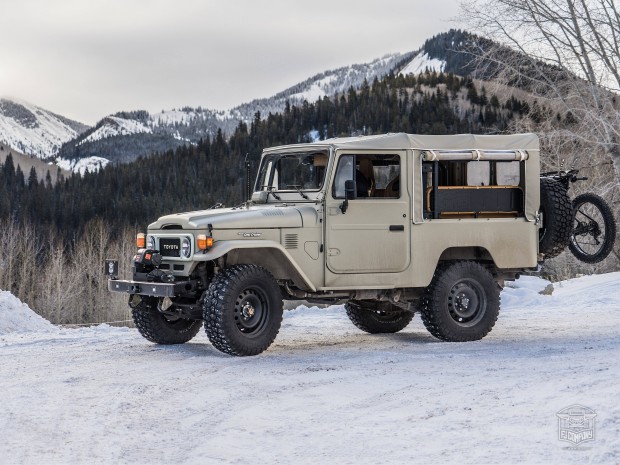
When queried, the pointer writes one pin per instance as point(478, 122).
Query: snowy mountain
point(126, 136)
point(421, 63)
point(115, 126)
point(328, 83)
point(34, 131)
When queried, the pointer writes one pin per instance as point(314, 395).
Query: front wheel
point(461, 303)
point(594, 230)
point(159, 328)
point(243, 310)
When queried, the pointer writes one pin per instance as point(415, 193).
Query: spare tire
point(557, 218)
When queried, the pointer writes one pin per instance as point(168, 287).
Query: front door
point(373, 234)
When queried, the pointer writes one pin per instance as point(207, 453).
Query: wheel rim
point(543, 230)
point(588, 237)
point(466, 302)
point(251, 311)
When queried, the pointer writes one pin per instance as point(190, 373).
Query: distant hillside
point(26, 162)
point(127, 135)
point(32, 130)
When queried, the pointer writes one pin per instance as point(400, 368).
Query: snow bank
point(17, 317)
point(526, 291)
point(326, 391)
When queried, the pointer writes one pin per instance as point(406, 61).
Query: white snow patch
point(83, 165)
point(325, 389)
point(114, 126)
point(314, 135)
point(421, 62)
point(317, 89)
point(172, 117)
point(311, 95)
point(17, 317)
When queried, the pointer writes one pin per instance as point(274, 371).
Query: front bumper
point(152, 289)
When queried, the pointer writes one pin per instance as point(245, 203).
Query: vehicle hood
point(255, 217)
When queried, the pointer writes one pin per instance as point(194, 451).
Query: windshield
point(292, 171)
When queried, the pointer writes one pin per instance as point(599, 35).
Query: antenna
point(248, 188)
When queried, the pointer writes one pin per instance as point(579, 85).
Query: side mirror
point(349, 194)
point(260, 197)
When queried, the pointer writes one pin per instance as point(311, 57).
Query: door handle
point(397, 227)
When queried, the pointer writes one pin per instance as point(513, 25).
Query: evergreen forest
point(200, 175)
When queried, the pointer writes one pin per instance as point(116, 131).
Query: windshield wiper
point(270, 191)
point(298, 189)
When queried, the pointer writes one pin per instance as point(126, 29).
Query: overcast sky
point(85, 59)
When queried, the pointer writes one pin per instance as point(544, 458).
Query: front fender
point(271, 263)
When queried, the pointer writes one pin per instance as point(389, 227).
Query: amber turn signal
point(203, 242)
point(141, 240)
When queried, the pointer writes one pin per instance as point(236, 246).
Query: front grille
point(170, 246)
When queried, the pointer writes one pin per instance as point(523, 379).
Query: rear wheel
point(461, 303)
point(377, 317)
point(557, 213)
point(243, 310)
point(594, 230)
point(162, 329)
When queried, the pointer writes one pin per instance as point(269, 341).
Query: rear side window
point(508, 173)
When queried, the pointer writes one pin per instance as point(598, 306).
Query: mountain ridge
point(127, 135)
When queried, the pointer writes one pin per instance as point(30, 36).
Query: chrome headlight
point(186, 247)
point(150, 242)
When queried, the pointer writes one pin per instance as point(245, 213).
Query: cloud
point(85, 59)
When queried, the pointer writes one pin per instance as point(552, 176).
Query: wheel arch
point(268, 254)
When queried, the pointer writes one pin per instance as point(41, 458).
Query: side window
point(344, 172)
point(508, 173)
point(456, 188)
point(375, 175)
point(479, 173)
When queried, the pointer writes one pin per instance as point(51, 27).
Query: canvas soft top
point(526, 141)
point(400, 141)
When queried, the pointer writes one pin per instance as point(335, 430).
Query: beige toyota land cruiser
point(389, 225)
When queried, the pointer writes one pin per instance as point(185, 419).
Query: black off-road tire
point(557, 211)
point(591, 241)
point(445, 304)
point(156, 327)
point(376, 319)
point(243, 310)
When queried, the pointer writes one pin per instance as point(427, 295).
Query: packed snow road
point(324, 392)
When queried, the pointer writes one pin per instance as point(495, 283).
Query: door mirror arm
point(349, 194)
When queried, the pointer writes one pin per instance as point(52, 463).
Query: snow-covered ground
point(323, 393)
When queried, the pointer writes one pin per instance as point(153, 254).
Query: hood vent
point(272, 212)
point(291, 241)
point(172, 226)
